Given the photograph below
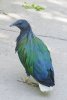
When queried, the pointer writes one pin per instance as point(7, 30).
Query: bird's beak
point(12, 25)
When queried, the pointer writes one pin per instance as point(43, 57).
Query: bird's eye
point(20, 23)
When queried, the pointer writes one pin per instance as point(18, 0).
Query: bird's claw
point(33, 84)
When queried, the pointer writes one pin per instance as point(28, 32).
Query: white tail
point(44, 88)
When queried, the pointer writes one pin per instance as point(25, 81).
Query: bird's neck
point(25, 33)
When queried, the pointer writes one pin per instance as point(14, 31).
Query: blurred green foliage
point(33, 6)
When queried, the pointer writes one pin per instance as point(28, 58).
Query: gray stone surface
point(52, 23)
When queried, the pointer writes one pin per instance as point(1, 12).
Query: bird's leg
point(24, 80)
point(27, 80)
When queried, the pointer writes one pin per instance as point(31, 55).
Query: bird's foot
point(33, 84)
point(26, 80)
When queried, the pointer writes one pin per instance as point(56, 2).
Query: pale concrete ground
point(52, 23)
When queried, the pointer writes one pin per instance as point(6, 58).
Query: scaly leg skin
point(26, 80)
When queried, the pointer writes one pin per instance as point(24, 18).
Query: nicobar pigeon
point(35, 56)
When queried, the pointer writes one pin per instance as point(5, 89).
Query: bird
point(34, 56)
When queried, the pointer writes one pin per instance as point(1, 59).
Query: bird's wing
point(42, 69)
point(43, 52)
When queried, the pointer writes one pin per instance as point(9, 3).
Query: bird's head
point(21, 24)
